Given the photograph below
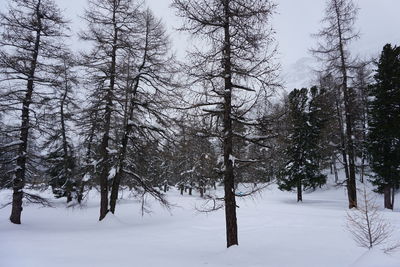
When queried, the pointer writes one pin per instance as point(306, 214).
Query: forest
point(122, 131)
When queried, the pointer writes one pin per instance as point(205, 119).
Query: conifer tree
point(32, 34)
point(236, 72)
point(301, 169)
point(384, 121)
point(111, 24)
point(336, 35)
point(61, 108)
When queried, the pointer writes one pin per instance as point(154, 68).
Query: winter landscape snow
point(274, 230)
point(168, 133)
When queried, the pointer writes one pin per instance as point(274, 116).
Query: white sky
point(296, 20)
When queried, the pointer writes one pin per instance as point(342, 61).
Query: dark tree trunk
point(106, 136)
point(69, 196)
point(19, 180)
point(181, 187)
point(190, 191)
point(387, 193)
point(229, 180)
point(80, 192)
point(299, 191)
point(351, 183)
point(335, 169)
point(132, 90)
point(348, 101)
point(68, 187)
point(342, 138)
point(393, 194)
point(362, 171)
point(201, 192)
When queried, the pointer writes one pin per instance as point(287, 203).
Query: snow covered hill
point(274, 231)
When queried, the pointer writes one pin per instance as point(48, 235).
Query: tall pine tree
point(301, 169)
point(384, 121)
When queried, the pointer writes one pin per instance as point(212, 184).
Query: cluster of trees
point(351, 117)
point(124, 114)
point(116, 115)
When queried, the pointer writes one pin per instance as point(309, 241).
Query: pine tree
point(301, 169)
point(384, 121)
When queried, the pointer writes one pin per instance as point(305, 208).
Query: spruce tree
point(384, 121)
point(301, 168)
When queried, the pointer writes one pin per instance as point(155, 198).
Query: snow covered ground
point(274, 231)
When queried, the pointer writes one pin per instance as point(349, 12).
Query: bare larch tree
point(333, 49)
point(232, 75)
point(148, 72)
point(31, 36)
point(60, 119)
point(366, 223)
point(110, 26)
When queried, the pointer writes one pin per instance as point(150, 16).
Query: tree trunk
point(342, 137)
point(299, 191)
point(132, 90)
point(105, 142)
point(335, 169)
point(106, 137)
point(362, 174)
point(68, 186)
point(351, 182)
point(387, 193)
point(80, 192)
point(190, 191)
point(69, 196)
point(229, 180)
point(19, 180)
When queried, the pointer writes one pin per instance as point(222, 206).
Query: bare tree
point(366, 224)
point(31, 37)
point(60, 116)
point(149, 71)
point(110, 25)
point(232, 75)
point(336, 35)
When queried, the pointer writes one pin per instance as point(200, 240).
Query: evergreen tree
point(301, 169)
point(384, 121)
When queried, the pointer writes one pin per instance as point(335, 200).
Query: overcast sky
point(294, 22)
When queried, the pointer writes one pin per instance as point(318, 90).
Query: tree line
point(125, 114)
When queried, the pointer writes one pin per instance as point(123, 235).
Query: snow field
point(274, 231)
